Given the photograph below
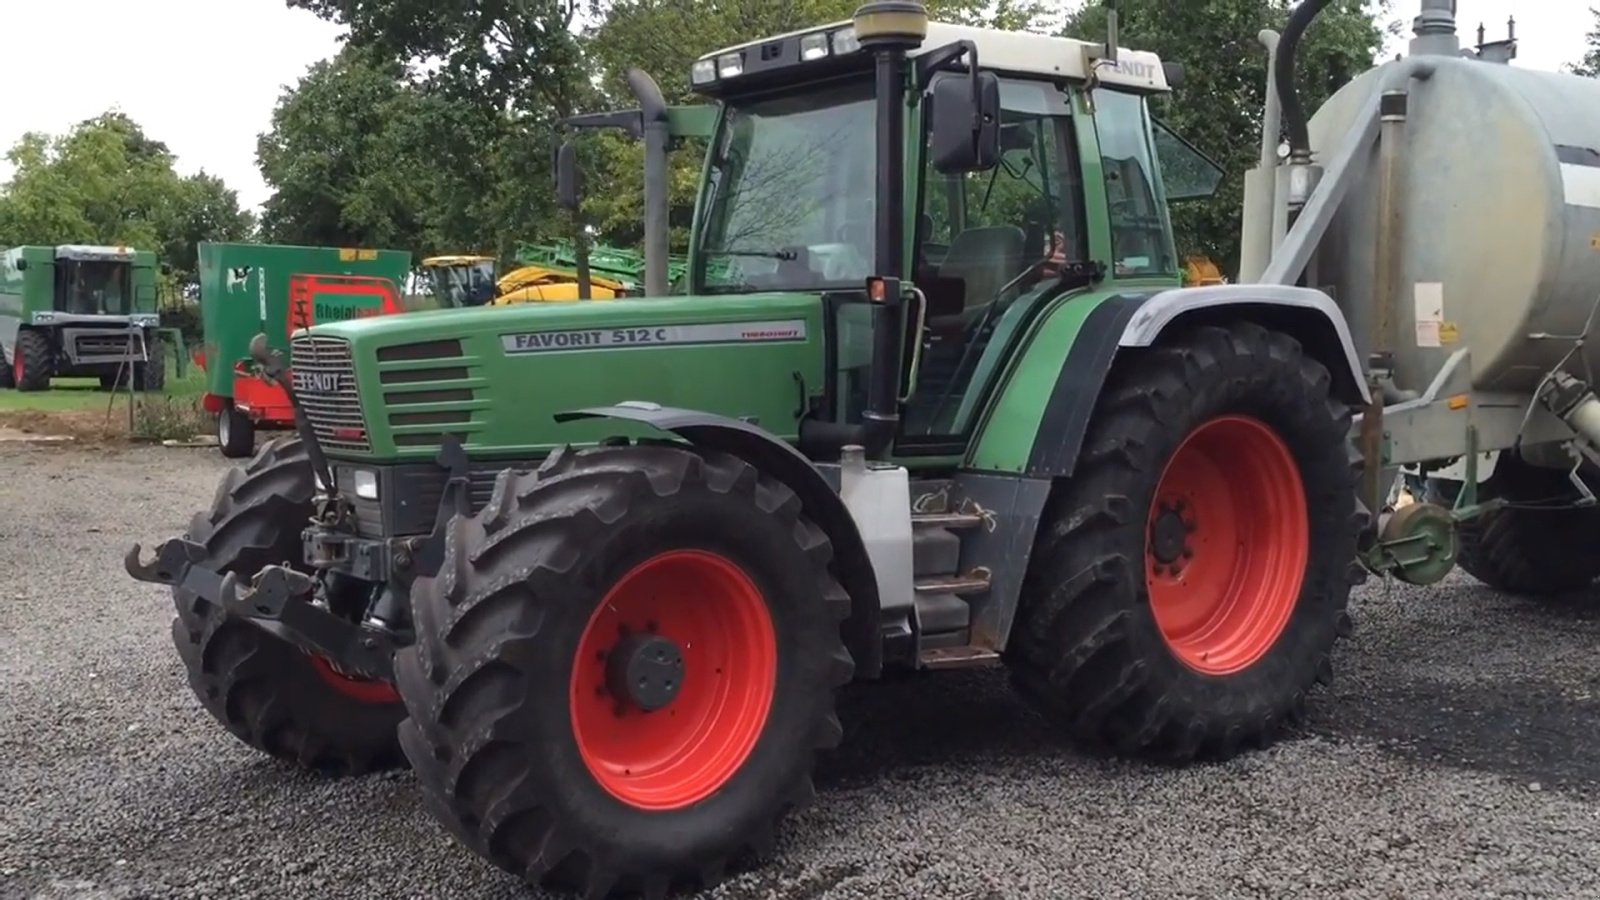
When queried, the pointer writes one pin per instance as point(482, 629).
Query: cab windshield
point(790, 202)
point(95, 287)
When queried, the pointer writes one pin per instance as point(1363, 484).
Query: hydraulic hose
point(1294, 114)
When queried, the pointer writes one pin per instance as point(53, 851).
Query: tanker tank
point(1499, 235)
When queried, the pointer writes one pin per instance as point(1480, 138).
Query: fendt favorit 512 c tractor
point(934, 398)
point(79, 311)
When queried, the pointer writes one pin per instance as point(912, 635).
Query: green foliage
point(107, 182)
point(1589, 66)
point(1218, 109)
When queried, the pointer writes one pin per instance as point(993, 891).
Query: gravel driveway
point(1456, 757)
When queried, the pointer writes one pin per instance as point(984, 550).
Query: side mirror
point(166, 269)
point(1175, 73)
point(567, 189)
point(965, 132)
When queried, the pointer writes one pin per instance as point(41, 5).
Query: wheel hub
point(645, 670)
point(1169, 535)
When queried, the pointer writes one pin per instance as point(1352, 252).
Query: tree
point(1219, 106)
point(341, 158)
point(1589, 66)
point(107, 182)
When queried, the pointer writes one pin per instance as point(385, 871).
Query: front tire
point(267, 692)
point(34, 361)
point(151, 376)
point(624, 668)
point(1192, 577)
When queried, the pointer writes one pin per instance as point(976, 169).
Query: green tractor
point(934, 399)
point(79, 311)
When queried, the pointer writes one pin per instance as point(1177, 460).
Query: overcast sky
point(205, 82)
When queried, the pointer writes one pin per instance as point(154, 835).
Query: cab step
point(945, 658)
point(946, 520)
point(975, 582)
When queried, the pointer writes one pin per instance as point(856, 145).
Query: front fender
point(774, 456)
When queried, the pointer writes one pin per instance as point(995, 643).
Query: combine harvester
point(597, 571)
point(79, 311)
point(275, 289)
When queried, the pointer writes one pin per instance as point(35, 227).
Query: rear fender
point(1309, 316)
point(822, 504)
point(1132, 321)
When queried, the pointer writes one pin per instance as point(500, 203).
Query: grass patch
point(81, 408)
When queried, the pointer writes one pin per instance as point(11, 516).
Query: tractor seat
point(985, 259)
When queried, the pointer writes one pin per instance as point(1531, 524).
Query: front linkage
point(292, 605)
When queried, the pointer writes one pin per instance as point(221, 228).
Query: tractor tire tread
point(485, 620)
point(1086, 648)
point(261, 689)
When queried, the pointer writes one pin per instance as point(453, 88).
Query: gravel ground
point(1454, 758)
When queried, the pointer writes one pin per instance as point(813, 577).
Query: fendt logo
point(318, 382)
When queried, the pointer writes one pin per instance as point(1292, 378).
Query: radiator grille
point(325, 386)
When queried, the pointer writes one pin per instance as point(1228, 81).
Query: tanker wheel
point(1191, 579)
point(32, 362)
point(267, 692)
point(236, 434)
point(1520, 550)
point(624, 668)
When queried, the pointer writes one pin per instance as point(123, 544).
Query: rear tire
point(268, 693)
point(1135, 633)
point(532, 752)
point(1530, 552)
point(8, 378)
point(236, 434)
point(34, 363)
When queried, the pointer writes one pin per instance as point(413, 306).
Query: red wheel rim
point(364, 690)
point(1226, 545)
point(682, 752)
point(16, 364)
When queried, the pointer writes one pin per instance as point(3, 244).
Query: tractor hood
point(391, 388)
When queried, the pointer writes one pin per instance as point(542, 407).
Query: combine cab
point(79, 311)
point(250, 289)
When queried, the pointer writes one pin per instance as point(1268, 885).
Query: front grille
point(325, 386)
point(103, 347)
point(429, 393)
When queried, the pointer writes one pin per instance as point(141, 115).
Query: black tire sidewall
point(765, 549)
point(1272, 391)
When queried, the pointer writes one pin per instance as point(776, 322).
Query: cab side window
point(984, 239)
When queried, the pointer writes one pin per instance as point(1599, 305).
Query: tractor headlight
point(365, 483)
point(813, 46)
point(730, 65)
point(704, 71)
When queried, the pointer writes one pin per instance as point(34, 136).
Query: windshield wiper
point(785, 255)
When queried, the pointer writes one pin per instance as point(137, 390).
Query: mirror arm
point(931, 62)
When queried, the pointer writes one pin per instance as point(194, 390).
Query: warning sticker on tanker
point(643, 336)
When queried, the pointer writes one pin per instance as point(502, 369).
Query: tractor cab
point(461, 281)
point(1023, 167)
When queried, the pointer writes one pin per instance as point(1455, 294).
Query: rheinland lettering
point(343, 312)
